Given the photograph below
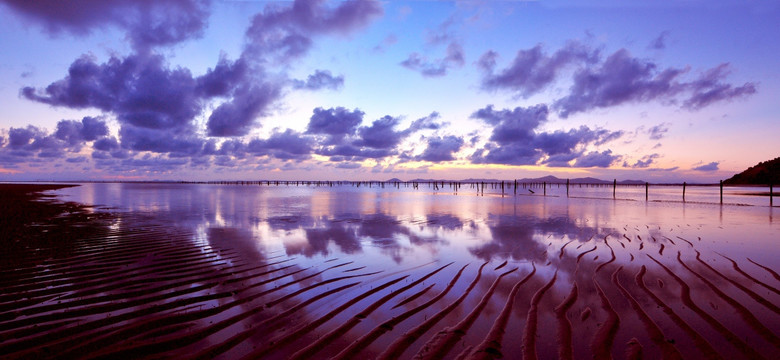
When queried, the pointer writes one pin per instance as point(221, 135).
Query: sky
point(662, 91)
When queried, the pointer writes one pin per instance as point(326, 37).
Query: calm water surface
point(395, 232)
point(406, 226)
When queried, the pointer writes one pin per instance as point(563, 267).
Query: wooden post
point(647, 191)
point(544, 184)
point(771, 195)
point(684, 190)
point(567, 187)
point(721, 192)
point(614, 188)
point(515, 186)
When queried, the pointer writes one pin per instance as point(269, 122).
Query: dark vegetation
point(764, 173)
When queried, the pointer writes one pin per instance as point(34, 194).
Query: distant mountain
point(394, 180)
point(767, 172)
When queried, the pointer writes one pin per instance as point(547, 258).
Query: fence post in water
point(567, 187)
point(721, 192)
point(647, 191)
point(771, 195)
point(544, 184)
point(684, 190)
point(614, 188)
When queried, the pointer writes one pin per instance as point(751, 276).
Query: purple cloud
point(659, 43)
point(75, 132)
point(658, 132)
point(441, 148)
point(223, 78)
point(285, 32)
point(336, 122)
point(511, 126)
point(388, 41)
point(237, 116)
point(24, 144)
point(347, 141)
point(147, 23)
point(622, 78)
point(429, 122)
point(321, 79)
point(709, 88)
point(532, 70)
point(597, 159)
point(286, 145)
point(453, 58)
point(644, 162)
point(143, 139)
point(515, 139)
point(381, 134)
point(106, 144)
point(713, 166)
point(139, 90)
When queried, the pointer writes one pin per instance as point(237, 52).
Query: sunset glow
point(314, 89)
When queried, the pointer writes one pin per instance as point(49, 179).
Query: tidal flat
point(162, 270)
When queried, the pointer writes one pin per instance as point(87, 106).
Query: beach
point(161, 270)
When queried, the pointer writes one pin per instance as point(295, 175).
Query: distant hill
point(767, 172)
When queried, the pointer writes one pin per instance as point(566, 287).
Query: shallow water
point(384, 233)
point(408, 223)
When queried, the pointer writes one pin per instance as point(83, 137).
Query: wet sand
point(84, 284)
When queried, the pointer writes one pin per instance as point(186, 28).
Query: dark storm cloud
point(515, 139)
point(454, 58)
point(321, 79)
point(147, 23)
point(622, 79)
point(441, 148)
point(532, 70)
point(713, 166)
